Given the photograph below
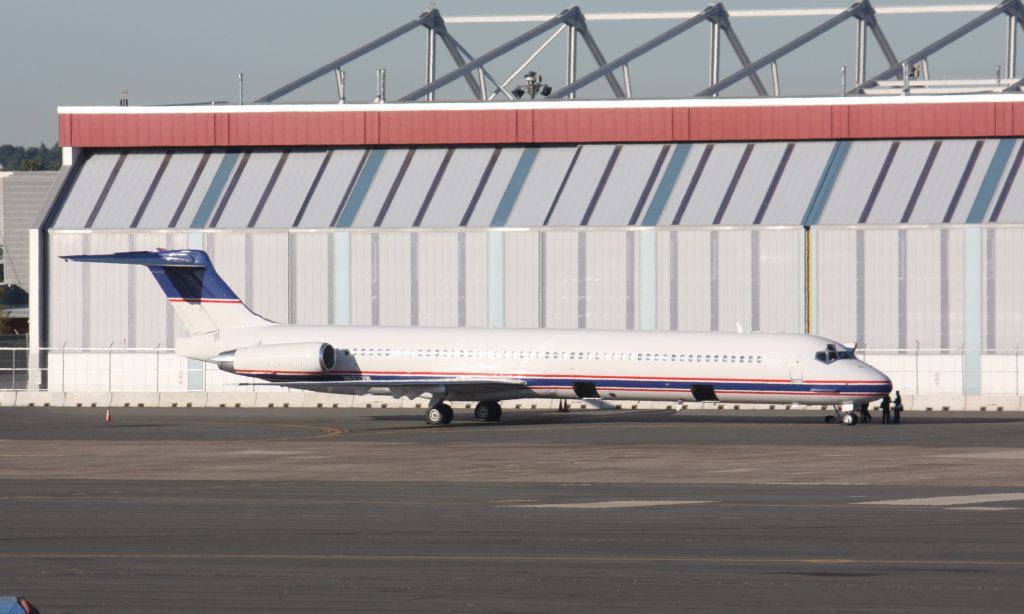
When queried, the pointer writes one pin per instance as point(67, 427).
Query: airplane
point(491, 365)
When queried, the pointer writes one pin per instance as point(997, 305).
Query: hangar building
point(891, 222)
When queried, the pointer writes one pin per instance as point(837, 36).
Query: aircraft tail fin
point(199, 296)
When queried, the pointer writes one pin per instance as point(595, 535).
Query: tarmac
point(328, 510)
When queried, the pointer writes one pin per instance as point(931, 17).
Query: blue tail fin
point(201, 298)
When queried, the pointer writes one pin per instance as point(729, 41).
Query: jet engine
point(278, 359)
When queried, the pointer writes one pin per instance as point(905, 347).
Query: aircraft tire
point(488, 411)
point(437, 416)
point(849, 419)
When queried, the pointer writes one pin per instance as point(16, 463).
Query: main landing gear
point(488, 411)
point(442, 414)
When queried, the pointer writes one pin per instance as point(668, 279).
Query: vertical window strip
point(640, 202)
point(1008, 184)
point(312, 188)
point(394, 188)
point(668, 181)
point(357, 189)
point(433, 186)
point(685, 202)
point(733, 183)
point(220, 178)
point(188, 191)
point(230, 189)
point(152, 189)
point(990, 182)
point(962, 184)
point(776, 178)
point(921, 181)
point(828, 181)
point(879, 182)
point(468, 215)
point(268, 190)
point(561, 187)
point(106, 190)
point(515, 186)
point(600, 185)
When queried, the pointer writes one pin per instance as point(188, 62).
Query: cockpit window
point(833, 353)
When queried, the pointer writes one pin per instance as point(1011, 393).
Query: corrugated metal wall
point(21, 197)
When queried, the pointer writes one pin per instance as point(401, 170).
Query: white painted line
point(943, 501)
point(600, 505)
point(980, 508)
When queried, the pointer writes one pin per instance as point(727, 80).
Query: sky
point(74, 53)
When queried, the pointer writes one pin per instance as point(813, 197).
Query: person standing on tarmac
point(886, 402)
point(897, 408)
point(865, 415)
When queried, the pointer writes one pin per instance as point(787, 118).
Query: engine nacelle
point(278, 359)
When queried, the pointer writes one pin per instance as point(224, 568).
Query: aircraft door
point(796, 370)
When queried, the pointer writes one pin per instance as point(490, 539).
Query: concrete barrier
point(992, 402)
point(182, 399)
point(134, 399)
point(8, 398)
point(38, 398)
point(236, 398)
point(278, 399)
point(87, 399)
point(936, 402)
point(321, 399)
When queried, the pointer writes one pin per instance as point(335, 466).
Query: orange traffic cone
point(107, 419)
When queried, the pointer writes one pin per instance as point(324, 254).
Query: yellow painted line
point(511, 558)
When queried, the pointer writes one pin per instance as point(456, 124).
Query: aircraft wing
point(410, 388)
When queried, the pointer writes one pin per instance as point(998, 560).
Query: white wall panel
point(561, 279)
point(923, 316)
point(881, 288)
point(734, 277)
point(522, 292)
point(694, 266)
point(107, 292)
point(781, 268)
point(361, 281)
point(270, 275)
point(312, 278)
point(606, 285)
point(66, 309)
point(1008, 293)
point(395, 279)
point(477, 283)
point(945, 175)
point(437, 255)
point(456, 189)
point(835, 254)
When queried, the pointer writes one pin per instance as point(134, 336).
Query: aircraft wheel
point(849, 419)
point(442, 414)
point(489, 411)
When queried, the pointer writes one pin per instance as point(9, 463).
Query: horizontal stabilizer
point(178, 259)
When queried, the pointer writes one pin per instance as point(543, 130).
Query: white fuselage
point(620, 365)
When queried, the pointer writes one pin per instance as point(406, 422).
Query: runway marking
point(994, 455)
point(513, 558)
point(980, 508)
point(944, 501)
point(600, 505)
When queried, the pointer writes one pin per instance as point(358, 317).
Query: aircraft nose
point(882, 377)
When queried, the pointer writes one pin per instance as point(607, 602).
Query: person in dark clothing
point(897, 408)
point(865, 415)
point(886, 403)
